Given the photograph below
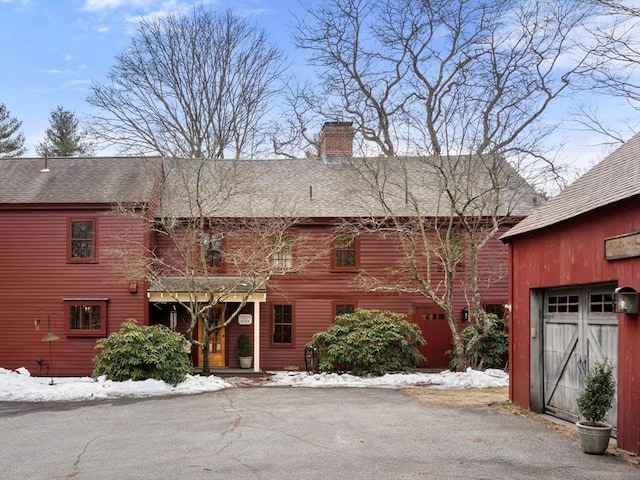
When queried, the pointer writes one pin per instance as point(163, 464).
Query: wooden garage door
point(580, 329)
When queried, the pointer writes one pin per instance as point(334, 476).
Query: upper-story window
point(82, 240)
point(345, 253)
point(212, 244)
point(283, 252)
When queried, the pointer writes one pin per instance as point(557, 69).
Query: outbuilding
point(568, 260)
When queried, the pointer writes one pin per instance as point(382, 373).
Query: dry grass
point(499, 397)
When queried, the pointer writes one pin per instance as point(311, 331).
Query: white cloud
point(52, 71)
point(100, 5)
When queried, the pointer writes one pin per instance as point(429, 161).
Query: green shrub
point(492, 349)
point(596, 399)
point(141, 352)
point(244, 346)
point(369, 342)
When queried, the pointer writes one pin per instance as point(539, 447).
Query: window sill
point(90, 334)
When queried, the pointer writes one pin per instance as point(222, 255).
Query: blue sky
point(51, 51)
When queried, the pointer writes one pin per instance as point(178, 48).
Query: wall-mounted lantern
point(625, 300)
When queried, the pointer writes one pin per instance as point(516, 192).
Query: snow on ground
point(19, 385)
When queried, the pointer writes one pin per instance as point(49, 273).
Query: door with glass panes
point(580, 329)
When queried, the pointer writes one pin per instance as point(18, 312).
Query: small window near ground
point(343, 308)
point(82, 241)
point(86, 317)
point(282, 324)
point(496, 308)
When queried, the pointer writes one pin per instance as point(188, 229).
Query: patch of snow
point(19, 385)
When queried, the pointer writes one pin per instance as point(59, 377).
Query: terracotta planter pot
point(594, 439)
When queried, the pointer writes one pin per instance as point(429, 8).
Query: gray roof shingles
point(78, 180)
point(615, 178)
point(310, 188)
point(303, 188)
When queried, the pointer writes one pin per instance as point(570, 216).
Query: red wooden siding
point(573, 254)
point(314, 291)
point(36, 277)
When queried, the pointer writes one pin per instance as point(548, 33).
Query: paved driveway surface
point(287, 433)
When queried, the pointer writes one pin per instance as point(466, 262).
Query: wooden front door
point(435, 329)
point(216, 341)
point(580, 329)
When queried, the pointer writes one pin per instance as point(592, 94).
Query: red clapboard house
point(567, 260)
point(61, 239)
point(58, 269)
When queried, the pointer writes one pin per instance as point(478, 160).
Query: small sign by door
point(245, 319)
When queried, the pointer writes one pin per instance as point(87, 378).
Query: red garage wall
point(572, 253)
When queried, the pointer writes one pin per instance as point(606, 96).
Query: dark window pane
point(344, 309)
point(282, 324)
point(82, 239)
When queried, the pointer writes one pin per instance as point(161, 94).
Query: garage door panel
point(580, 329)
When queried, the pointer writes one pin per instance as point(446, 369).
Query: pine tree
point(63, 138)
point(11, 141)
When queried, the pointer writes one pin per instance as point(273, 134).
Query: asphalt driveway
point(287, 433)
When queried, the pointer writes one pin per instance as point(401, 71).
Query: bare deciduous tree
point(463, 86)
point(193, 86)
point(209, 247)
point(616, 69)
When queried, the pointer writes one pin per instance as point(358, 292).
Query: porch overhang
point(225, 290)
point(199, 289)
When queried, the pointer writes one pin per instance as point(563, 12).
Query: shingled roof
point(312, 188)
point(302, 188)
point(615, 178)
point(73, 180)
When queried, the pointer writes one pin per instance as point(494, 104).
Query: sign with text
point(245, 319)
point(622, 246)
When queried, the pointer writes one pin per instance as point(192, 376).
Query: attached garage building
point(566, 260)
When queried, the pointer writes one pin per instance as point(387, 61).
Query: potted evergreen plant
point(244, 351)
point(594, 402)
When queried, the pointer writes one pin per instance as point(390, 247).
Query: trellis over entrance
point(230, 290)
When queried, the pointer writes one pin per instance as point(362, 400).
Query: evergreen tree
point(63, 138)
point(11, 141)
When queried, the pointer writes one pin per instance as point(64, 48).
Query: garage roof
point(615, 178)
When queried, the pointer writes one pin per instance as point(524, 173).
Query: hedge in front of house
point(141, 352)
point(369, 342)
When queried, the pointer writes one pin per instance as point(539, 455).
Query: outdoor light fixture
point(625, 300)
point(49, 337)
point(173, 318)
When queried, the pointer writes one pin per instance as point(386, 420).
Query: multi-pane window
point(496, 308)
point(283, 324)
point(600, 303)
point(82, 241)
point(212, 247)
point(86, 317)
point(283, 252)
point(563, 304)
point(343, 308)
point(345, 252)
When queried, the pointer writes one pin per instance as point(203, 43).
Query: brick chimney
point(336, 142)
